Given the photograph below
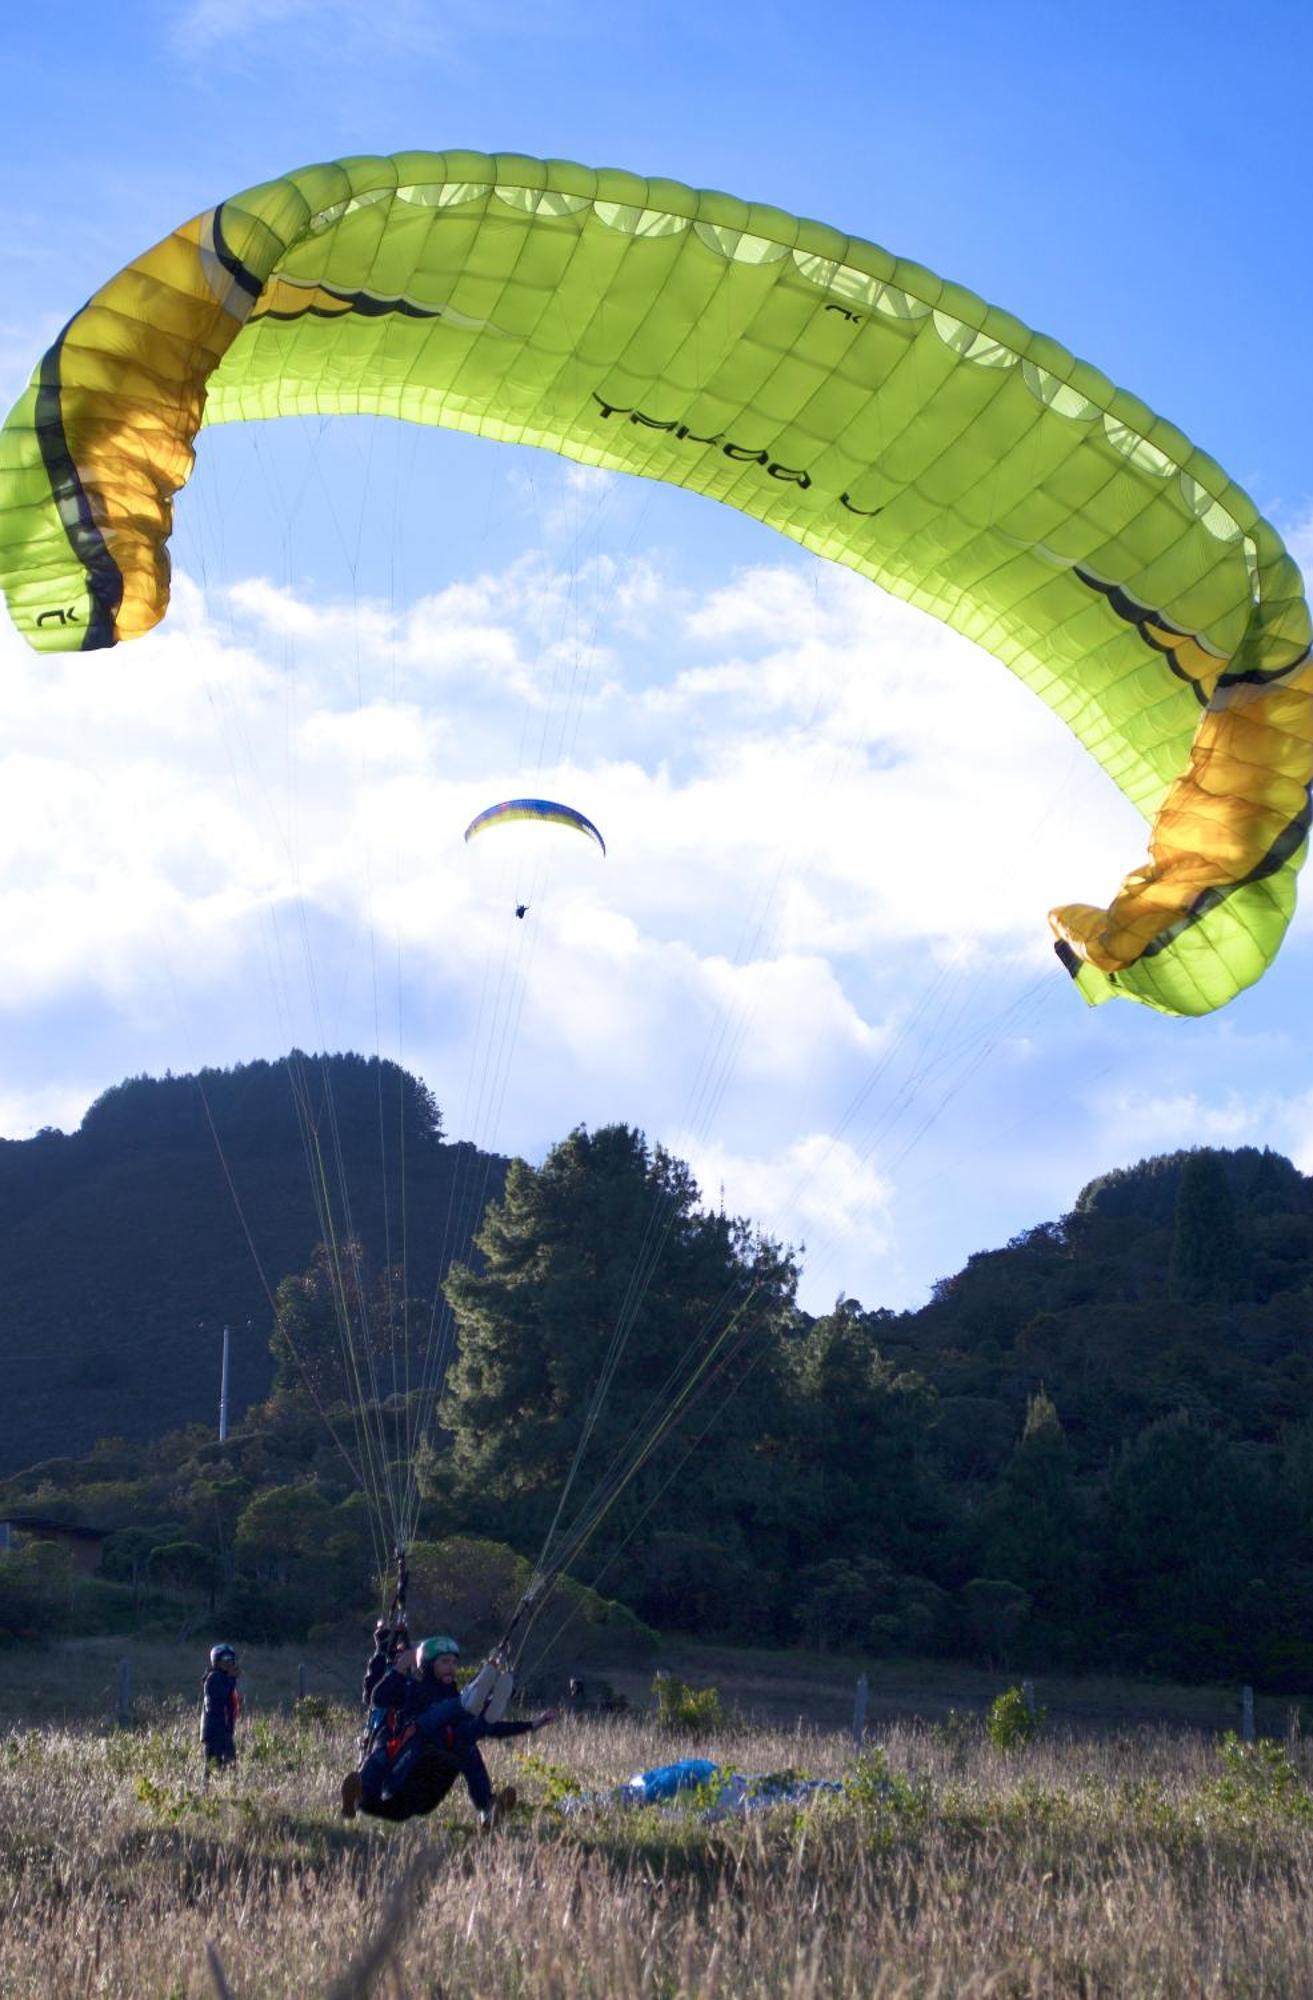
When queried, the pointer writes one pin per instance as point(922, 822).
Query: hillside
point(1092, 1448)
point(1122, 1320)
point(124, 1247)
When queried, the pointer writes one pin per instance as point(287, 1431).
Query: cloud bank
point(815, 961)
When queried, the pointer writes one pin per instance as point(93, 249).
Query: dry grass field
point(1154, 1860)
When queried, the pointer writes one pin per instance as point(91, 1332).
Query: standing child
point(220, 1707)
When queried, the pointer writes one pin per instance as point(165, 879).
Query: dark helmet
point(223, 1655)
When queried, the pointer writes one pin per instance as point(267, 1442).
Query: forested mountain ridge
point(124, 1246)
point(1184, 1283)
point(1092, 1446)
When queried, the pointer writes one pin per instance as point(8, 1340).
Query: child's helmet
point(222, 1655)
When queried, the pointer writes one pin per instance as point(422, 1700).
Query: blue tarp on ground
point(650, 1788)
point(724, 1790)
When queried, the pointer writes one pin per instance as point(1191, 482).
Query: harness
point(396, 1732)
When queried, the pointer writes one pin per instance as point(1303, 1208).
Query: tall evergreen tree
point(341, 1335)
point(600, 1270)
point(1187, 1530)
point(1208, 1263)
point(1036, 1534)
point(861, 1464)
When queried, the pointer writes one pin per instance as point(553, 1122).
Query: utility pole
point(223, 1388)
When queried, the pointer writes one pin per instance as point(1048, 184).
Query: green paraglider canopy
point(872, 412)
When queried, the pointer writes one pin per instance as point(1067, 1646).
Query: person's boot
point(502, 1802)
point(351, 1790)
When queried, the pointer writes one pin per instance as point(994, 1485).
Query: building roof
point(38, 1524)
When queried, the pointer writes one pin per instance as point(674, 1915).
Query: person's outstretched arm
point(519, 1728)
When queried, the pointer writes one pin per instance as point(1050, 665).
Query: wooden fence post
point(1247, 1714)
point(859, 1711)
point(1028, 1697)
point(300, 1681)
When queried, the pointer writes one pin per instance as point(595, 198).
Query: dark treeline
point(1092, 1448)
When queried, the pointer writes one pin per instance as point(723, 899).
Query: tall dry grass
point(1151, 1863)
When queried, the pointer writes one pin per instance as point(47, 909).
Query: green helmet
point(430, 1650)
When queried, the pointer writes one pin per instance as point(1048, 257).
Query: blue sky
point(245, 830)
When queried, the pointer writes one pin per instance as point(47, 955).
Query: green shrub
point(183, 1565)
point(36, 1585)
point(264, 1744)
point(558, 1783)
point(959, 1731)
point(260, 1613)
point(1011, 1723)
point(313, 1711)
point(888, 1801)
point(172, 1803)
point(467, 1587)
point(686, 1710)
point(590, 1627)
point(101, 1606)
point(1260, 1778)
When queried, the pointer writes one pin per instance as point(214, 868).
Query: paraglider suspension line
point(398, 1606)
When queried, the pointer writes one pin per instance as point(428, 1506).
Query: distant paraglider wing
point(546, 809)
point(877, 415)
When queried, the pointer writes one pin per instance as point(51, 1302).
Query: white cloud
point(792, 1013)
point(196, 759)
point(1299, 540)
point(818, 1190)
point(834, 831)
point(60, 1107)
point(391, 736)
point(924, 792)
point(1255, 1112)
point(1144, 1123)
point(510, 636)
point(281, 611)
point(1299, 1125)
